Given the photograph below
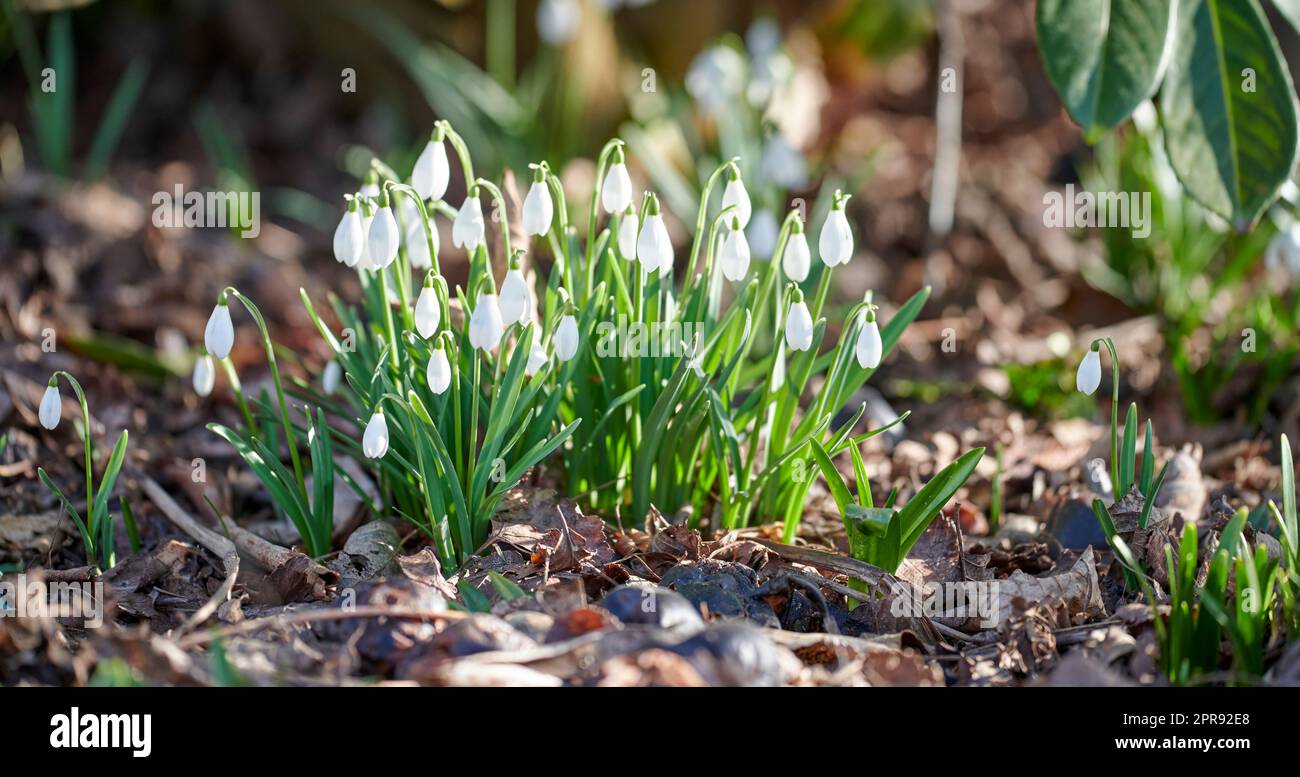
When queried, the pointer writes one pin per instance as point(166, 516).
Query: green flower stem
point(389, 326)
point(701, 216)
point(229, 367)
point(602, 165)
point(1114, 413)
point(462, 151)
point(269, 347)
point(85, 439)
point(500, 202)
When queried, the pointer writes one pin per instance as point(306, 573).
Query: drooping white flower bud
point(205, 375)
point(869, 348)
point(349, 237)
point(538, 208)
point(796, 259)
point(439, 371)
point(417, 243)
point(428, 313)
point(566, 338)
point(485, 327)
point(515, 299)
point(616, 193)
point(835, 244)
point(219, 336)
point(627, 229)
point(432, 172)
point(331, 377)
point(799, 326)
point(468, 230)
point(374, 443)
point(735, 194)
point(1088, 378)
point(735, 254)
point(654, 248)
point(383, 236)
point(51, 409)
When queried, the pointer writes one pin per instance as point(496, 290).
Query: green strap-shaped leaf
point(1104, 56)
point(1229, 108)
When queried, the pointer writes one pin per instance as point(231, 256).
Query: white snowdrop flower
point(382, 237)
point(1088, 378)
point(219, 336)
point(763, 233)
point(869, 348)
point(363, 260)
point(616, 192)
point(485, 327)
point(1283, 252)
point(537, 358)
point(735, 194)
point(557, 21)
point(349, 236)
point(374, 443)
point(432, 172)
point(627, 229)
point(650, 244)
point(538, 208)
point(468, 230)
point(439, 371)
point(428, 313)
point(796, 259)
point(417, 243)
point(515, 302)
point(331, 377)
point(205, 375)
point(835, 244)
point(799, 326)
point(51, 409)
point(735, 254)
point(566, 338)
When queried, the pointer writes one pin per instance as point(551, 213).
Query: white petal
point(427, 312)
point(648, 250)
point(439, 372)
point(536, 359)
point(538, 209)
point(796, 259)
point(627, 237)
point(665, 246)
point(799, 327)
point(869, 347)
point(382, 239)
point(363, 260)
point(219, 336)
point(330, 378)
point(735, 194)
point(51, 409)
point(431, 172)
point(735, 256)
point(514, 298)
point(417, 244)
point(566, 339)
point(349, 238)
point(616, 194)
point(1088, 378)
point(374, 443)
point(835, 244)
point(485, 327)
point(205, 375)
point(468, 229)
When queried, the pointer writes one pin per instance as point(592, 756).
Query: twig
point(318, 616)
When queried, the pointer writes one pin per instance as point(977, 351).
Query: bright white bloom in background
point(349, 237)
point(763, 233)
point(485, 327)
point(417, 243)
point(538, 209)
point(557, 20)
point(427, 312)
point(331, 377)
point(1088, 378)
point(715, 77)
point(468, 229)
point(627, 228)
point(515, 299)
point(735, 194)
point(51, 409)
point(439, 371)
point(796, 259)
point(370, 189)
point(374, 443)
point(870, 348)
point(219, 336)
point(1283, 252)
point(799, 326)
point(781, 163)
point(431, 173)
point(566, 338)
point(205, 375)
point(382, 238)
point(536, 358)
point(735, 254)
point(616, 192)
point(836, 241)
